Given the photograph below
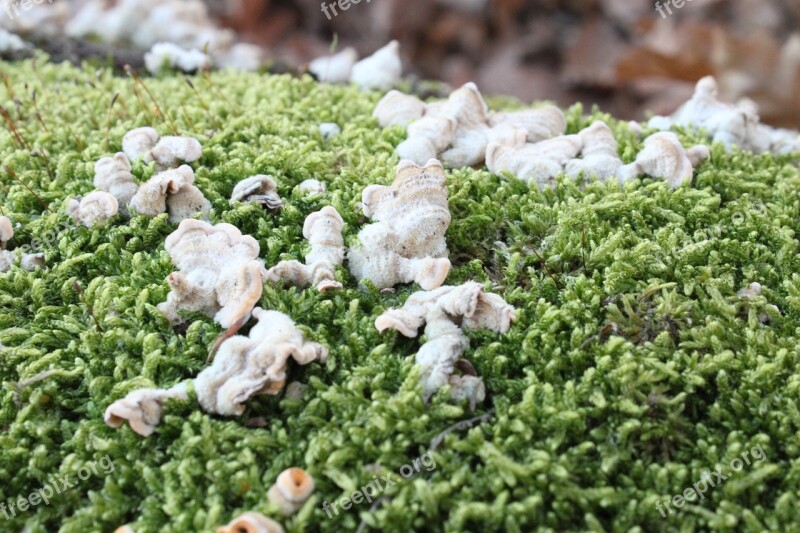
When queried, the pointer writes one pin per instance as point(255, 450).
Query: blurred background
point(627, 56)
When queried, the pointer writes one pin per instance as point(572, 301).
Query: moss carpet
point(633, 370)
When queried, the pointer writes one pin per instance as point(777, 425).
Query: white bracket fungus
point(406, 242)
point(380, 71)
point(251, 522)
point(398, 109)
point(291, 490)
point(171, 56)
point(170, 151)
point(94, 208)
point(311, 187)
point(173, 192)
point(540, 163)
point(259, 189)
point(663, 156)
point(732, 125)
point(323, 230)
point(458, 130)
point(31, 261)
point(7, 258)
point(219, 274)
point(329, 130)
point(6, 231)
point(11, 42)
point(537, 163)
point(335, 68)
point(247, 366)
point(599, 155)
point(142, 408)
point(137, 142)
point(445, 312)
point(113, 175)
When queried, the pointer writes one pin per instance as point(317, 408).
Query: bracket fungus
point(537, 163)
point(137, 142)
point(311, 187)
point(406, 242)
point(398, 109)
point(7, 258)
point(258, 189)
point(173, 192)
point(323, 230)
point(142, 408)
point(663, 156)
point(113, 175)
point(247, 366)
point(291, 490)
point(218, 272)
point(251, 522)
point(94, 208)
point(6, 231)
point(170, 151)
point(593, 152)
point(6, 234)
point(732, 125)
point(599, 155)
point(445, 313)
point(335, 68)
point(166, 56)
point(380, 71)
point(31, 262)
point(458, 130)
point(329, 130)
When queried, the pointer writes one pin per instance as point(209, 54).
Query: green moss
point(633, 369)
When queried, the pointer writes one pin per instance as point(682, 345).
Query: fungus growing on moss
point(251, 522)
point(94, 208)
point(113, 175)
point(165, 56)
point(142, 408)
point(458, 130)
point(219, 274)
point(599, 156)
point(335, 68)
point(445, 312)
point(137, 142)
point(247, 366)
point(398, 109)
point(663, 156)
point(732, 125)
point(170, 151)
point(259, 189)
point(6, 231)
point(173, 192)
point(7, 258)
point(406, 242)
point(380, 71)
point(311, 187)
point(291, 490)
point(329, 130)
point(537, 163)
point(323, 230)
